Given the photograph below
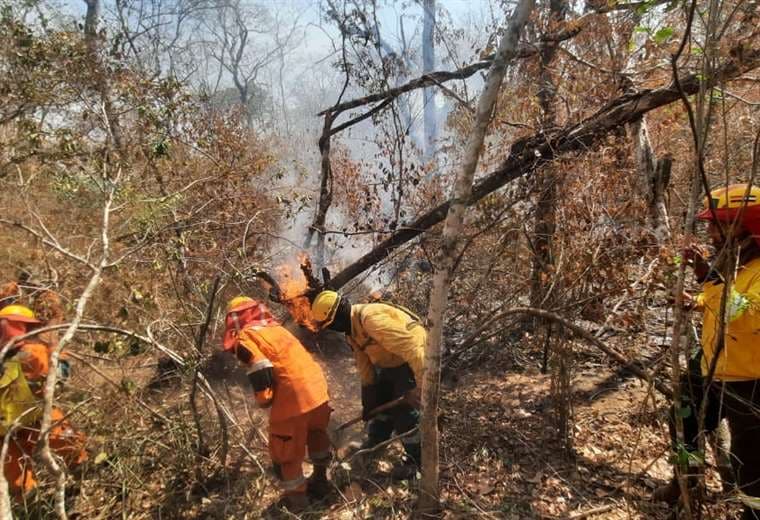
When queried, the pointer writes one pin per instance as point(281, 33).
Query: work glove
point(697, 257)
point(64, 370)
point(413, 397)
point(262, 379)
point(369, 400)
point(687, 300)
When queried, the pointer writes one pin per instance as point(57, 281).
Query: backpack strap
point(403, 309)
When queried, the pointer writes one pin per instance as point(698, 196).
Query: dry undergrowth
point(501, 457)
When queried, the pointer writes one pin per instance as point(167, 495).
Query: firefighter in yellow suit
point(734, 392)
point(388, 342)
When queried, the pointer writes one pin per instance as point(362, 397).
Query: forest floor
point(501, 456)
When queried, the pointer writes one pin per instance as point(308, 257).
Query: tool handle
point(380, 409)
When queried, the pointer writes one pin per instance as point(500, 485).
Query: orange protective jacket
point(35, 361)
point(299, 383)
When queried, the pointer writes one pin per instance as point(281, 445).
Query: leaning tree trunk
point(652, 179)
point(429, 489)
point(527, 155)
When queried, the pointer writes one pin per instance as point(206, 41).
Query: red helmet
point(728, 203)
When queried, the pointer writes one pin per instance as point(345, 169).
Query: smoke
point(313, 84)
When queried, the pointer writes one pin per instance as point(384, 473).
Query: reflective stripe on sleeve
point(264, 363)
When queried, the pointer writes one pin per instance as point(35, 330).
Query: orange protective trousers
point(64, 442)
point(289, 440)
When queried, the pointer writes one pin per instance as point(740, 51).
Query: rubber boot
point(408, 470)
point(668, 493)
point(295, 502)
point(367, 444)
point(318, 487)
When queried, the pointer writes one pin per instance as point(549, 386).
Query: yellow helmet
point(18, 313)
point(324, 308)
point(731, 197)
point(238, 303)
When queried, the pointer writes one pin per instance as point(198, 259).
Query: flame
point(294, 286)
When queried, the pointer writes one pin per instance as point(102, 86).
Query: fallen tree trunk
point(530, 153)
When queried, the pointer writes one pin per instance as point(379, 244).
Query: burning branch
point(295, 288)
point(275, 294)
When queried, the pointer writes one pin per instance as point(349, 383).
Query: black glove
point(262, 379)
point(64, 370)
point(414, 397)
point(369, 400)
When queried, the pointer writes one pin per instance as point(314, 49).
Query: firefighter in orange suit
point(286, 378)
point(24, 371)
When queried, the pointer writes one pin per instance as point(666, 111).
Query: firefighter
point(25, 369)
point(734, 392)
point(286, 379)
point(388, 342)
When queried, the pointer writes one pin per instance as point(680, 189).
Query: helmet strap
point(342, 321)
point(231, 336)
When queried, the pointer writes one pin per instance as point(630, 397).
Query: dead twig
point(199, 342)
point(591, 512)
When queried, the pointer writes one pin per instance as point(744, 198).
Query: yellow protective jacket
point(740, 358)
point(386, 336)
point(23, 376)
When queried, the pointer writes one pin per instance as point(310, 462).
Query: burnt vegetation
point(160, 158)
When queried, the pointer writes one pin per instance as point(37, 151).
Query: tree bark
point(91, 21)
point(429, 488)
point(526, 155)
point(325, 195)
point(546, 205)
point(91, 18)
point(653, 177)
